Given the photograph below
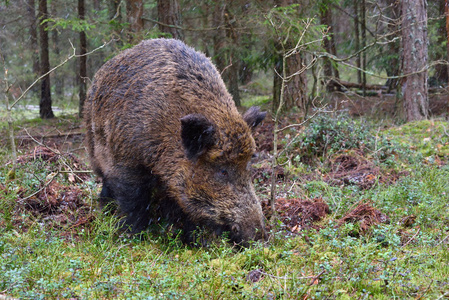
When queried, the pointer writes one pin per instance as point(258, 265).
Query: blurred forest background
point(365, 53)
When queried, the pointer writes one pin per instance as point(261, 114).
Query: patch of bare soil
point(365, 215)
point(298, 214)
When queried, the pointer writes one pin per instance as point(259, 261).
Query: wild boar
point(164, 135)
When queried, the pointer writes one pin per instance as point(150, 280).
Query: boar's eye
point(224, 173)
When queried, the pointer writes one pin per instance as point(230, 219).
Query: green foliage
point(327, 134)
point(74, 24)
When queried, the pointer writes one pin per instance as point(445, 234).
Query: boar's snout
point(242, 234)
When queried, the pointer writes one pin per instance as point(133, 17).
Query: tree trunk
point(363, 29)
point(45, 109)
point(414, 59)
point(58, 79)
point(82, 59)
point(169, 15)
point(97, 5)
point(295, 92)
point(330, 71)
point(225, 40)
point(446, 11)
point(220, 35)
point(134, 12)
point(231, 74)
point(393, 49)
point(358, 60)
point(31, 9)
point(441, 70)
point(115, 16)
point(277, 82)
point(114, 10)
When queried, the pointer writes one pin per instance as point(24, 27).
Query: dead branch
point(42, 136)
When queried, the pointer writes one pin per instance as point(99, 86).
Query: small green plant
point(327, 134)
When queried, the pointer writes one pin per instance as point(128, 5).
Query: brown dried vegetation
point(365, 215)
point(54, 204)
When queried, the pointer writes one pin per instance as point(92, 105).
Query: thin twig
point(41, 144)
point(317, 277)
point(446, 294)
point(447, 236)
point(23, 137)
point(412, 238)
point(299, 124)
point(425, 292)
point(41, 189)
point(444, 129)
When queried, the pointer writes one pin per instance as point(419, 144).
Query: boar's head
point(217, 185)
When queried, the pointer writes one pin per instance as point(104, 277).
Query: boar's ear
point(254, 116)
point(197, 135)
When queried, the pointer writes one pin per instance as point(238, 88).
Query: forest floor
point(362, 212)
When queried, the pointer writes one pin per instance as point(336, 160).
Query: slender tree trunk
point(414, 59)
point(330, 71)
point(277, 81)
point(231, 74)
point(363, 27)
point(220, 35)
point(393, 49)
point(134, 12)
point(97, 5)
point(45, 109)
point(82, 59)
point(326, 61)
point(247, 41)
point(58, 79)
point(446, 11)
point(441, 74)
point(205, 23)
point(31, 9)
point(225, 39)
point(169, 15)
point(358, 60)
point(115, 16)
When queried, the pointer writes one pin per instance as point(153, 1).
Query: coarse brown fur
point(163, 132)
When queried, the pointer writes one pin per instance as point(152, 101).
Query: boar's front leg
point(133, 194)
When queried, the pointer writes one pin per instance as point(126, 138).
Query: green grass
point(429, 137)
point(39, 260)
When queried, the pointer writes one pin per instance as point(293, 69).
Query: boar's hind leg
point(134, 197)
